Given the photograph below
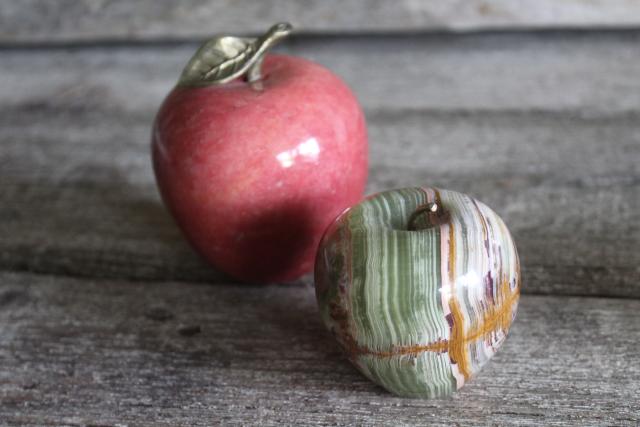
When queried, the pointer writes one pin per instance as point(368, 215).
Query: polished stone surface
point(253, 176)
point(419, 306)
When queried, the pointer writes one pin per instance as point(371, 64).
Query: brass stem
point(274, 35)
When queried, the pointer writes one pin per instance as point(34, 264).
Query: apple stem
point(435, 215)
point(272, 37)
point(255, 71)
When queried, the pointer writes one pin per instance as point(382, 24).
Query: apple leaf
point(218, 61)
point(223, 59)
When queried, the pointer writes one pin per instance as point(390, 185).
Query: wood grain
point(85, 352)
point(80, 198)
point(46, 21)
point(78, 194)
point(542, 126)
point(581, 73)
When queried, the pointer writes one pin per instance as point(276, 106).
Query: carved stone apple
point(256, 154)
point(419, 286)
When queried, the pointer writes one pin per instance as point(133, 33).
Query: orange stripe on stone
point(458, 342)
point(494, 318)
point(439, 346)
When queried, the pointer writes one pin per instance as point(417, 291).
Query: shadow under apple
point(276, 244)
point(97, 223)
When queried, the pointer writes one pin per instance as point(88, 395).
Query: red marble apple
point(255, 158)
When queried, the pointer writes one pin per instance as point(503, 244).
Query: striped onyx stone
point(419, 302)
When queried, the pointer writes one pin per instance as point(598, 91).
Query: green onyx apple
point(419, 286)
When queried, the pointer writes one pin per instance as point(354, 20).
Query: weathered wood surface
point(581, 73)
point(45, 21)
point(544, 128)
point(85, 352)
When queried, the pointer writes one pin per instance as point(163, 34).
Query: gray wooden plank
point(84, 352)
point(78, 195)
point(44, 21)
point(592, 73)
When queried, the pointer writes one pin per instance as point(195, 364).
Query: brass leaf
point(223, 59)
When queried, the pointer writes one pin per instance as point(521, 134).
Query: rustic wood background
point(108, 318)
